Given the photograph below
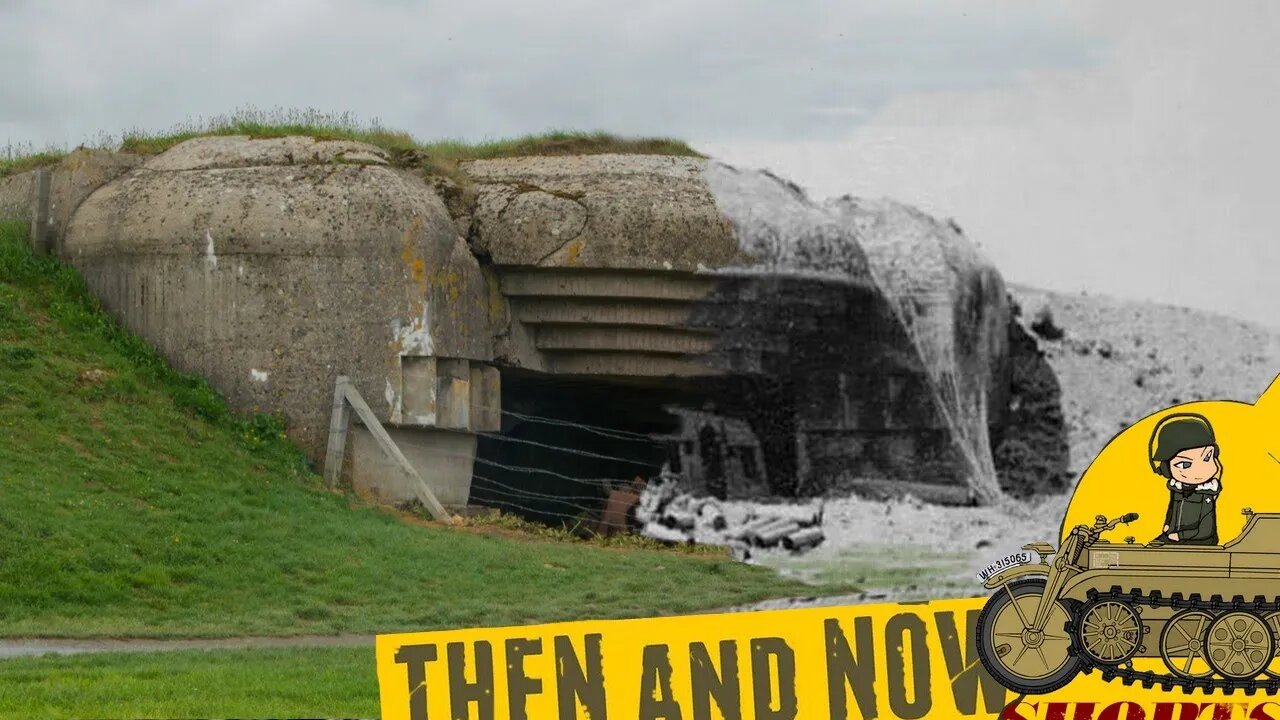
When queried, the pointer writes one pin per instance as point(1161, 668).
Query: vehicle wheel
point(1239, 645)
point(1025, 661)
point(1182, 644)
point(1273, 622)
point(1109, 631)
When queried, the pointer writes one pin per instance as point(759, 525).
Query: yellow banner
point(862, 661)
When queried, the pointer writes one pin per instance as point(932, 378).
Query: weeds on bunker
point(439, 158)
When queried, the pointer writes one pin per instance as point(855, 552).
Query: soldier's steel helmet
point(1176, 433)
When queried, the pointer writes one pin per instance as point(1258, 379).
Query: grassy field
point(438, 157)
point(132, 503)
point(315, 682)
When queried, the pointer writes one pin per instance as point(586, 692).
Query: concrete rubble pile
point(667, 514)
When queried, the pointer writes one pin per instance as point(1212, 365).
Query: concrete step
point(604, 284)
point(607, 337)
point(623, 364)
point(601, 311)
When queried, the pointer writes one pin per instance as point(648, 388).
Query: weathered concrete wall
point(800, 322)
point(71, 180)
point(874, 306)
point(599, 211)
point(443, 459)
point(272, 278)
point(75, 178)
point(272, 266)
point(958, 301)
point(16, 195)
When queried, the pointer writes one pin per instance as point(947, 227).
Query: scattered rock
point(92, 376)
point(669, 515)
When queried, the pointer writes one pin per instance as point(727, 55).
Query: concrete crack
point(586, 220)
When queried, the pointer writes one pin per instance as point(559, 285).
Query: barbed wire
point(437, 452)
point(493, 487)
point(535, 494)
point(507, 494)
point(590, 511)
point(542, 471)
point(573, 451)
point(595, 429)
point(613, 433)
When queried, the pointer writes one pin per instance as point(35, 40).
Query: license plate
point(1018, 559)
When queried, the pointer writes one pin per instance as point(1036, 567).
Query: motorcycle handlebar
point(1102, 526)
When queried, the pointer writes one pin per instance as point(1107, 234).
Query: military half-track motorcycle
point(1211, 613)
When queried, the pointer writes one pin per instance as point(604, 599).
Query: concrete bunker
point(753, 339)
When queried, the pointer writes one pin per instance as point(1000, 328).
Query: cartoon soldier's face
point(1184, 449)
point(1194, 465)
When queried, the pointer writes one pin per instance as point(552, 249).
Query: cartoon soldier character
point(1184, 451)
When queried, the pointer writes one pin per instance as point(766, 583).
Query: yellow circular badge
point(1171, 455)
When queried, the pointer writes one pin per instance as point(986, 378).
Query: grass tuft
point(16, 159)
point(440, 157)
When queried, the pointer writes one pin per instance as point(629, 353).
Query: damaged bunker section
point(547, 334)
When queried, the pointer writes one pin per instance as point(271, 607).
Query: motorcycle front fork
point(1061, 570)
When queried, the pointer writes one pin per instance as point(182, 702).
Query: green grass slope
point(133, 504)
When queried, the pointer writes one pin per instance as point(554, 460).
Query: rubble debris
point(803, 539)
point(680, 520)
point(775, 533)
point(711, 514)
point(665, 534)
point(668, 515)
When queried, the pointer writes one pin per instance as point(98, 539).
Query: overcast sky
point(1120, 148)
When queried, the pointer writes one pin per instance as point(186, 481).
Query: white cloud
point(1150, 175)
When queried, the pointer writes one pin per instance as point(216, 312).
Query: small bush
point(1044, 325)
point(262, 429)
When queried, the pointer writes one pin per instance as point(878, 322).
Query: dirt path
point(27, 647)
point(31, 647)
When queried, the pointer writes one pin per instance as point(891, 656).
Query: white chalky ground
point(902, 549)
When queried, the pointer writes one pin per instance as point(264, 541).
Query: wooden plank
point(388, 445)
point(339, 424)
